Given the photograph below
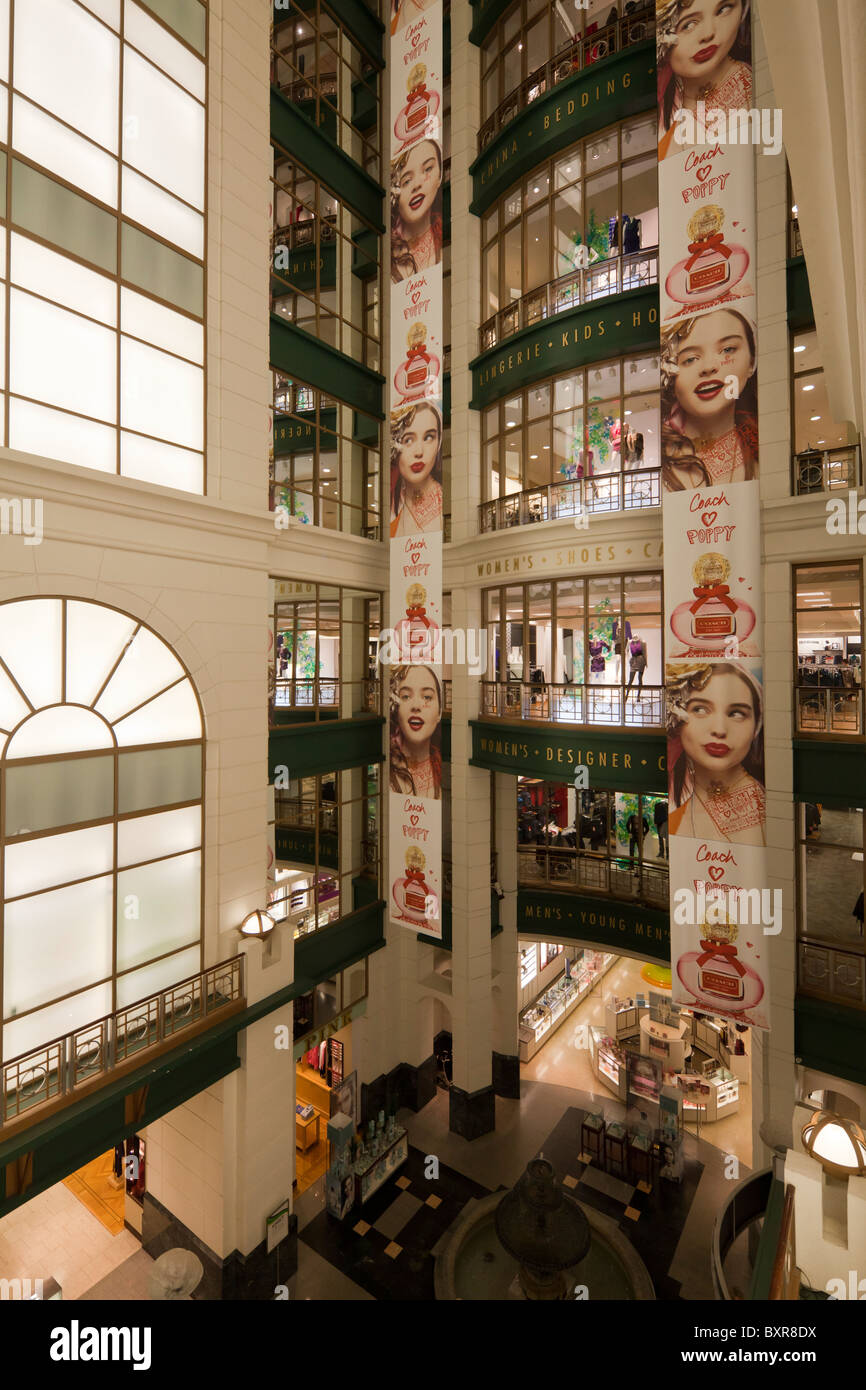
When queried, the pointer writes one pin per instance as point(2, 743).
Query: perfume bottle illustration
point(416, 635)
point(411, 892)
point(715, 975)
point(417, 376)
point(708, 265)
point(714, 612)
point(421, 106)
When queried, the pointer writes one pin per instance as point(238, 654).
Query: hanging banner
point(415, 494)
point(711, 512)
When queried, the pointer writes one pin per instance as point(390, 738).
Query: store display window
point(826, 451)
point(828, 673)
point(615, 843)
point(323, 660)
point(830, 848)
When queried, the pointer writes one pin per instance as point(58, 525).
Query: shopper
point(660, 818)
point(633, 826)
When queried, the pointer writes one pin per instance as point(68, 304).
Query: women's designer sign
point(416, 428)
point(710, 462)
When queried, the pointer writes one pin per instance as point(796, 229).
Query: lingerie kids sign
point(712, 553)
point(415, 494)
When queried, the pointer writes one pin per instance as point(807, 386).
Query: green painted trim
point(300, 273)
point(365, 253)
point(830, 1037)
point(620, 86)
point(446, 398)
point(309, 748)
point(355, 18)
point(768, 1243)
point(326, 120)
point(601, 329)
point(365, 431)
point(631, 762)
point(322, 954)
point(484, 15)
point(830, 772)
point(602, 922)
point(305, 358)
point(447, 941)
point(445, 727)
point(298, 137)
point(297, 843)
point(294, 436)
point(801, 314)
point(365, 102)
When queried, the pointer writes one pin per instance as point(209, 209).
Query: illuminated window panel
point(62, 357)
point(109, 10)
point(155, 462)
point(157, 835)
point(37, 429)
point(30, 635)
point(76, 855)
point(70, 64)
point(138, 984)
point(164, 328)
point(142, 201)
point(4, 40)
point(60, 729)
point(161, 395)
point(164, 50)
point(57, 148)
point(163, 130)
point(63, 281)
point(158, 908)
point(56, 942)
point(25, 1034)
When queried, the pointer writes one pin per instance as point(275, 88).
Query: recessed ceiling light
point(814, 417)
point(533, 456)
point(822, 441)
point(510, 424)
point(628, 412)
point(801, 347)
point(808, 388)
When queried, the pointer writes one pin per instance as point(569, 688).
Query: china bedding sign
point(710, 466)
point(416, 432)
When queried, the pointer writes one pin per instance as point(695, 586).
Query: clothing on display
point(637, 662)
point(630, 235)
point(597, 661)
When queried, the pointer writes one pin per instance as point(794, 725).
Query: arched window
point(101, 775)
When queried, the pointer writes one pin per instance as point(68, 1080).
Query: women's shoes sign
point(416, 429)
point(710, 462)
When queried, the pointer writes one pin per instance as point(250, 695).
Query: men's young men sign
point(710, 465)
point(416, 428)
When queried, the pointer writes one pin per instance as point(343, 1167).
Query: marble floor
point(55, 1235)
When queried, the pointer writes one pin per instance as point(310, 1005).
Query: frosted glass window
point(153, 979)
point(158, 777)
point(4, 40)
point(64, 218)
point(165, 328)
point(2, 339)
point(12, 707)
point(95, 638)
point(36, 864)
point(151, 837)
point(36, 429)
point(70, 64)
point(165, 464)
point(56, 147)
point(165, 273)
point(174, 715)
point(26, 1034)
point(147, 668)
point(140, 30)
point(163, 903)
point(60, 729)
point(4, 93)
point(163, 130)
point(59, 356)
point(161, 395)
point(109, 10)
point(144, 202)
point(185, 17)
point(65, 282)
point(30, 644)
point(66, 792)
point(56, 942)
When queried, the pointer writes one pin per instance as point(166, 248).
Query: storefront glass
point(828, 674)
point(324, 462)
point(324, 654)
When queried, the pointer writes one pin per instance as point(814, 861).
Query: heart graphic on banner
point(708, 518)
point(716, 872)
point(704, 172)
point(415, 556)
point(414, 819)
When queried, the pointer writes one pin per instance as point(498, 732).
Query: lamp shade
point(837, 1143)
point(258, 923)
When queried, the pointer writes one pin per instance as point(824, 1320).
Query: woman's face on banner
point(418, 707)
point(419, 183)
point(716, 348)
point(418, 446)
point(720, 723)
point(705, 33)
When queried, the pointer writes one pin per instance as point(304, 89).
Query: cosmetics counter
point(545, 1014)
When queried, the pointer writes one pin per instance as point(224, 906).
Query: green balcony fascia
point(604, 923)
point(446, 943)
point(305, 358)
point(801, 314)
point(297, 845)
point(365, 102)
point(830, 1038)
point(294, 435)
point(365, 253)
point(303, 265)
point(322, 954)
point(306, 749)
point(608, 91)
point(353, 16)
point(299, 137)
point(484, 15)
point(830, 771)
point(629, 762)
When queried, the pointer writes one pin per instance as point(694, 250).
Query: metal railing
point(325, 692)
point(826, 470)
point(598, 281)
point(795, 243)
point(61, 1066)
point(605, 492)
point(610, 705)
point(829, 710)
point(596, 873)
point(830, 972)
point(578, 54)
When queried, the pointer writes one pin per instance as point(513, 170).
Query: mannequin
point(637, 661)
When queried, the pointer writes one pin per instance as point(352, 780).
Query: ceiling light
point(801, 347)
point(814, 417)
point(628, 412)
point(510, 424)
point(533, 456)
point(837, 1143)
point(822, 441)
point(808, 388)
point(257, 924)
point(794, 209)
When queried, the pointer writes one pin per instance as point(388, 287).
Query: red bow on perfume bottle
point(420, 613)
point(415, 876)
point(418, 350)
point(714, 242)
point(704, 592)
point(418, 93)
point(721, 950)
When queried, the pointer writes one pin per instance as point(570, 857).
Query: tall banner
point(416, 698)
point(711, 516)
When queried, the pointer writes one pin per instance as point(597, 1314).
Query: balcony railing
point(826, 470)
point(606, 492)
point(827, 972)
point(608, 705)
point(595, 873)
point(795, 244)
point(597, 281)
point(68, 1063)
point(829, 710)
point(580, 53)
point(324, 692)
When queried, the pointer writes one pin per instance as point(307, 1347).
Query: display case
point(374, 1169)
point(608, 1061)
point(709, 1098)
point(528, 964)
point(546, 1013)
point(622, 1016)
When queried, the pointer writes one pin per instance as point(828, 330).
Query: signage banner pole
point(416, 423)
point(711, 513)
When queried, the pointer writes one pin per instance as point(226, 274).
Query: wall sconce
point(258, 924)
point(838, 1144)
